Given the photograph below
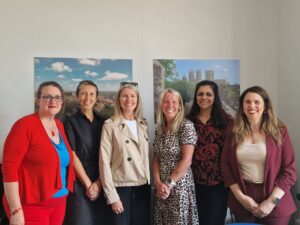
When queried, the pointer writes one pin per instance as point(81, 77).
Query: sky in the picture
point(106, 73)
point(224, 69)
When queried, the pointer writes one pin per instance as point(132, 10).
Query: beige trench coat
point(124, 161)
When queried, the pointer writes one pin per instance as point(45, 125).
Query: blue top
point(64, 161)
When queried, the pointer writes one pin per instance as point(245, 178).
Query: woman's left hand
point(94, 190)
point(162, 190)
point(264, 208)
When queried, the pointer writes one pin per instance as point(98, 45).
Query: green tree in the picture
point(170, 68)
point(185, 88)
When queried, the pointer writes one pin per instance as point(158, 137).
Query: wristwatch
point(276, 200)
point(170, 183)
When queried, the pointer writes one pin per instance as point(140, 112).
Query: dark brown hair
point(86, 82)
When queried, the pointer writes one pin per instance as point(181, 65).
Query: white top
point(133, 128)
point(251, 158)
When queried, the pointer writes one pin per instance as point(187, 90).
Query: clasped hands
point(94, 190)
point(162, 190)
point(258, 210)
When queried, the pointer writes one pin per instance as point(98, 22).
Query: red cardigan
point(280, 171)
point(30, 158)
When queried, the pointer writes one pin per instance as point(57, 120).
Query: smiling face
point(128, 101)
point(253, 107)
point(205, 97)
point(52, 107)
point(87, 97)
point(170, 106)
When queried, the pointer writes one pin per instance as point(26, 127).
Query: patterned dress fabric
point(180, 207)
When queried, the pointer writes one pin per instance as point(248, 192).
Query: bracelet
point(170, 183)
point(15, 211)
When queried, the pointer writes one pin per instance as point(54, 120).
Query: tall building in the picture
point(158, 81)
point(191, 75)
point(209, 74)
point(198, 75)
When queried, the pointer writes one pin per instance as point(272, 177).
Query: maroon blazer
point(280, 171)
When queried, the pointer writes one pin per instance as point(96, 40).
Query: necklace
point(51, 130)
point(49, 126)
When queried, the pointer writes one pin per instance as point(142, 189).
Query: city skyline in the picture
point(228, 70)
point(107, 74)
point(183, 75)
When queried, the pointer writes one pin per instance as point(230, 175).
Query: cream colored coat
point(124, 161)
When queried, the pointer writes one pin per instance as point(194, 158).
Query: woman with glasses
point(86, 204)
point(124, 161)
point(38, 163)
point(259, 163)
point(212, 124)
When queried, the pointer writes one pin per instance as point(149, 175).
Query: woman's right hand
point(248, 203)
point(94, 190)
point(162, 190)
point(117, 207)
point(17, 219)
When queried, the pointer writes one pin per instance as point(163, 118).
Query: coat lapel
point(142, 132)
point(126, 131)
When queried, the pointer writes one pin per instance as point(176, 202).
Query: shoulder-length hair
point(138, 111)
point(218, 115)
point(160, 117)
point(269, 124)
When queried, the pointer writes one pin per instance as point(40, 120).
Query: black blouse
point(84, 138)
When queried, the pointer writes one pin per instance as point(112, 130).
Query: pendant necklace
point(52, 131)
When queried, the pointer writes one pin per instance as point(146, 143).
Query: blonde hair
point(138, 111)
point(160, 117)
point(270, 124)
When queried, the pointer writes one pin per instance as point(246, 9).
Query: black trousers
point(136, 203)
point(211, 203)
point(82, 211)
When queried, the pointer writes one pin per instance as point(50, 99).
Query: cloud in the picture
point(90, 74)
point(221, 69)
point(114, 76)
point(61, 76)
point(108, 86)
point(90, 62)
point(76, 79)
point(60, 67)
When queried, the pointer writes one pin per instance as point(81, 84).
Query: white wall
point(289, 73)
point(137, 29)
point(261, 34)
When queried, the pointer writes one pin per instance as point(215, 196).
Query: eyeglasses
point(49, 98)
point(131, 83)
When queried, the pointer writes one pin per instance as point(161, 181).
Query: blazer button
point(127, 141)
point(128, 159)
